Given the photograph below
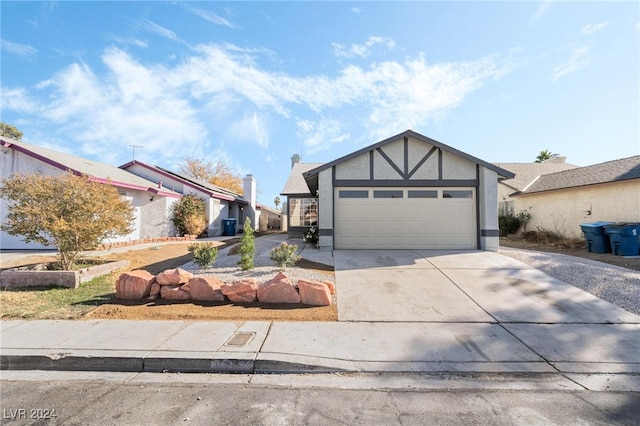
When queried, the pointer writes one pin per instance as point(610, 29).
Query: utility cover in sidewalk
point(240, 338)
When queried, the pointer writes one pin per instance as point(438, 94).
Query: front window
point(303, 211)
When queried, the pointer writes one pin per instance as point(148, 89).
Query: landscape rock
point(241, 291)
point(332, 286)
point(175, 276)
point(278, 290)
point(134, 284)
point(314, 293)
point(155, 290)
point(206, 289)
point(174, 292)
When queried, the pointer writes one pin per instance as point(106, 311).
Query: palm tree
point(276, 201)
point(544, 155)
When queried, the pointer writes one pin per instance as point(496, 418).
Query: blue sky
point(252, 83)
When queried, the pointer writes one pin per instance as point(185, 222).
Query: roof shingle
point(101, 172)
point(610, 171)
point(296, 184)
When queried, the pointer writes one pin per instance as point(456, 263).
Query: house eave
point(410, 133)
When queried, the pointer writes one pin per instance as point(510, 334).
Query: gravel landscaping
point(227, 270)
point(614, 284)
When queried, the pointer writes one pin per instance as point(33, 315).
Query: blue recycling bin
point(625, 238)
point(597, 240)
point(229, 226)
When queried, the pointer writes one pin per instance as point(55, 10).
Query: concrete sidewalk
point(605, 355)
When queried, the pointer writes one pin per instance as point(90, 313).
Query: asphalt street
point(74, 398)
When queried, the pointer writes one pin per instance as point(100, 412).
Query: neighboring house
point(525, 175)
point(268, 218)
point(220, 203)
point(152, 202)
point(561, 201)
point(405, 192)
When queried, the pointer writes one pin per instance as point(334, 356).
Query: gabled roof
point(296, 184)
point(525, 173)
point(410, 133)
point(610, 171)
point(216, 191)
point(97, 172)
point(212, 190)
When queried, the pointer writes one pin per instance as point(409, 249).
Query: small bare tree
point(69, 212)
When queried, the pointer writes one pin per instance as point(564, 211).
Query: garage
point(405, 218)
point(405, 192)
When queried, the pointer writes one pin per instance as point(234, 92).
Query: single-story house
point(405, 192)
point(152, 202)
point(220, 203)
point(268, 218)
point(561, 201)
point(525, 175)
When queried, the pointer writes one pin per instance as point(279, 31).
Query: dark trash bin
point(624, 238)
point(229, 226)
point(597, 240)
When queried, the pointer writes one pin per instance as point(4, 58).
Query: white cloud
point(637, 26)
point(159, 30)
point(576, 61)
point(592, 28)
point(167, 108)
point(213, 18)
point(540, 11)
point(17, 48)
point(362, 50)
point(356, 10)
point(250, 128)
point(320, 135)
point(131, 105)
point(17, 99)
point(143, 44)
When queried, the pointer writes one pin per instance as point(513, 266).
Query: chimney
point(250, 196)
point(556, 159)
point(295, 159)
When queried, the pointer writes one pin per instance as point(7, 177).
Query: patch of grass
point(56, 302)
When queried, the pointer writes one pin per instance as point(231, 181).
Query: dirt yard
point(174, 255)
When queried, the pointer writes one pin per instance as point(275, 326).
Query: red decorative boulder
point(241, 291)
point(278, 290)
point(314, 293)
point(134, 284)
point(206, 289)
point(175, 276)
point(174, 292)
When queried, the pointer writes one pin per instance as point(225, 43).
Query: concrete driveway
point(460, 286)
point(478, 307)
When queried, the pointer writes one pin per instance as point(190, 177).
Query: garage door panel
point(396, 223)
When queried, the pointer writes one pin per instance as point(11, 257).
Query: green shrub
point(247, 248)
point(508, 223)
point(189, 216)
point(285, 255)
point(524, 217)
point(311, 236)
point(204, 254)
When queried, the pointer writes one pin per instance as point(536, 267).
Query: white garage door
point(405, 218)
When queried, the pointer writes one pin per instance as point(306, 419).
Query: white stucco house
point(525, 175)
point(152, 202)
point(220, 203)
point(405, 192)
point(561, 201)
